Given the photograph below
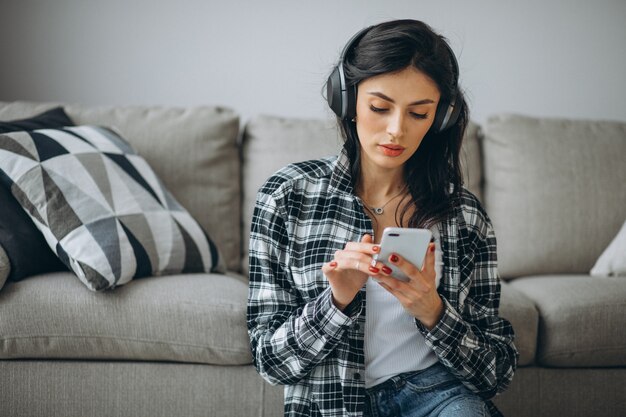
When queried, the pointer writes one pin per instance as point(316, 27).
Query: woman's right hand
point(348, 272)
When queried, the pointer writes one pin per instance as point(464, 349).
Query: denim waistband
point(397, 381)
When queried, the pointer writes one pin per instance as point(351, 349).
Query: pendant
point(377, 210)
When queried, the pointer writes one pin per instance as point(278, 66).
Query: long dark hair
point(433, 173)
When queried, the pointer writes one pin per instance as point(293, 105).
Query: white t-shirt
point(393, 344)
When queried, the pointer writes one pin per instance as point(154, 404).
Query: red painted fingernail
point(376, 248)
point(393, 258)
point(386, 270)
point(432, 248)
point(374, 269)
point(333, 264)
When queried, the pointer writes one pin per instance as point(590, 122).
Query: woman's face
point(394, 112)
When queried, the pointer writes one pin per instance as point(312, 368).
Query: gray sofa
point(177, 345)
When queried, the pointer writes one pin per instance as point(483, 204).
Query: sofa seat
point(520, 310)
point(197, 318)
point(582, 319)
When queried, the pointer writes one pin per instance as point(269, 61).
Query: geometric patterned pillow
point(101, 208)
point(19, 237)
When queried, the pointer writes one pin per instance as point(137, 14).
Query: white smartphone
point(411, 244)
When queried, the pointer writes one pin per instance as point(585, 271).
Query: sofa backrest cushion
point(270, 143)
point(192, 150)
point(555, 191)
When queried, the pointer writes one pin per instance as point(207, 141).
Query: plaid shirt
point(303, 214)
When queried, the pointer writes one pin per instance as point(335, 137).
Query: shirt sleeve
point(288, 336)
point(471, 340)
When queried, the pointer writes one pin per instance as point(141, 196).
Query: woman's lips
point(392, 150)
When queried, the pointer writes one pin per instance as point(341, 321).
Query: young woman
point(326, 319)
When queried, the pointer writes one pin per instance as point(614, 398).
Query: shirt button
point(357, 376)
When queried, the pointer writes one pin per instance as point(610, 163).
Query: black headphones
point(342, 98)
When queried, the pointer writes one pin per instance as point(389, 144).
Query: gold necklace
point(380, 210)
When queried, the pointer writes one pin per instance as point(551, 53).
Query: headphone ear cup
point(340, 97)
point(350, 97)
point(446, 116)
point(454, 114)
point(440, 115)
point(333, 92)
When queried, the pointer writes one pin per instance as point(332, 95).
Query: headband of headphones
point(342, 98)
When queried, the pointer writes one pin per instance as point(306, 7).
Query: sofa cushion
point(554, 189)
point(471, 155)
point(101, 207)
point(18, 235)
point(524, 317)
point(192, 150)
point(270, 143)
point(182, 318)
point(582, 319)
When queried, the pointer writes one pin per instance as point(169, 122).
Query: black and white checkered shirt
point(303, 214)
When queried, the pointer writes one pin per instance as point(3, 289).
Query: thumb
point(429, 260)
point(329, 268)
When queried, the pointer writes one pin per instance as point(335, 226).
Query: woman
point(325, 318)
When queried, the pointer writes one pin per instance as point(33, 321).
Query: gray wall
point(538, 57)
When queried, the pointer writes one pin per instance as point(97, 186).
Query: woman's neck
point(376, 185)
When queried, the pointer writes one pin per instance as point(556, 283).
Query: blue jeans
point(427, 393)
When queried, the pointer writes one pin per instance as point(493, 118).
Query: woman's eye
point(383, 110)
point(377, 109)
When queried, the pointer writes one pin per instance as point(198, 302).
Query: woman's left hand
point(419, 295)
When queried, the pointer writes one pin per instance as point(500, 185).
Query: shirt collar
point(341, 178)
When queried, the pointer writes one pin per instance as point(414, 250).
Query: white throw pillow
point(612, 262)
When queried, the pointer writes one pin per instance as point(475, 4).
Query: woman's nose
point(395, 127)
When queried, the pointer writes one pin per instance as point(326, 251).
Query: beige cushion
point(192, 150)
point(5, 266)
point(554, 190)
point(270, 143)
point(582, 319)
point(470, 160)
point(520, 310)
point(183, 318)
